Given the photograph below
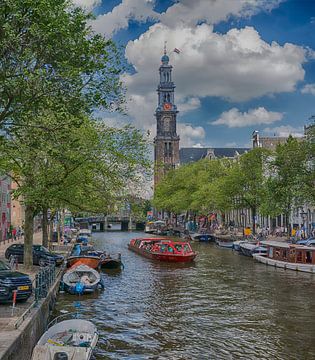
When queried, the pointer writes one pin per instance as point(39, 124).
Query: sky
point(243, 65)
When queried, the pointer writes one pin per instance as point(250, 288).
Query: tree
point(51, 59)
point(51, 63)
point(291, 178)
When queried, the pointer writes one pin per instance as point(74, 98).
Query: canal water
point(225, 306)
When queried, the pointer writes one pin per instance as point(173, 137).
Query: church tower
point(166, 142)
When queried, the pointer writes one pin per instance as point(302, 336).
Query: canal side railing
point(44, 281)
point(42, 284)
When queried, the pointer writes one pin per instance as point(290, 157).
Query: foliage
point(50, 59)
point(291, 178)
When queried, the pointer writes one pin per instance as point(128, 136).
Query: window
point(299, 257)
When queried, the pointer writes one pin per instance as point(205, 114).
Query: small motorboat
point(81, 279)
point(89, 260)
point(108, 262)
point(202, 237)
point(163, 249)
point(73, 339)
point(224, 242)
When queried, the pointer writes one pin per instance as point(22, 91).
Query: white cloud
point(185, 105)
point(308, 89)
point(183, 12)
point(87, 4)
point(190, 13)
point(189, 135)
point(119, 17)
point(235, 118)
point(238, 65)
point(285, 131)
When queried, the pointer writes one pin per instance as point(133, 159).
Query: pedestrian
point(14, 233)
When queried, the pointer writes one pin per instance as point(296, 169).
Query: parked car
point(307, 242)
point(12, 280)
point(41, 255)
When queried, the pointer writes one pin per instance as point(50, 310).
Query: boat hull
point(91, 261)
point(110, 264)
point(224, 244)
point(81, 279)
point(203, 237)
point(47, 348)
point(285, 265)
point(163, 257)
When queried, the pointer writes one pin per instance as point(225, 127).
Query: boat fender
point(79, 288)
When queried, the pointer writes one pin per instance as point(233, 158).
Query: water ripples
point(223, 307)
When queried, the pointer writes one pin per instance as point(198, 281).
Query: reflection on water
point(225, 306)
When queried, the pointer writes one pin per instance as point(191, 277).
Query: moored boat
point(202, 237)
point(109, 262)
point(236, 245)
point(224, 242)
point(288, 256)
point(89, 260)
point(247, 248)
point(81, 279)
point(163, 249)
point(72, 339)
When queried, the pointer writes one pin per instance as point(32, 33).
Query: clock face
point(167, 123)
point(167, 106)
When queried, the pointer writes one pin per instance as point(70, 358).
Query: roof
point(187, 155)
point(286, 245)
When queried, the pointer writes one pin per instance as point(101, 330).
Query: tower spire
point(165, 42)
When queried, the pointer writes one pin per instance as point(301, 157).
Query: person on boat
point(178, 249)
point(170, 249)
point(155, 248)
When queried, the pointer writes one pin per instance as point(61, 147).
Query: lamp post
point(243, 222)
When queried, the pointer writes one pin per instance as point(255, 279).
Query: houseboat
point(288, 256)
point(163, 249)
point(249, 249)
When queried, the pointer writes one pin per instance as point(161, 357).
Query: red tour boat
point(163, 249)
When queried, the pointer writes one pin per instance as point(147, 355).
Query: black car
point(12, 280)
point(41, 255)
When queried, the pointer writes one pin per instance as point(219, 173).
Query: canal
point(225, 306)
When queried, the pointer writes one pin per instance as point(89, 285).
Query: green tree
point(51, 63)
point(291, 178)
point(51, 59)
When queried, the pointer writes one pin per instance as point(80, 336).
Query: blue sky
point(244, 65)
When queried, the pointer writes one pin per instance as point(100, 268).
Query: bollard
point(14, 300)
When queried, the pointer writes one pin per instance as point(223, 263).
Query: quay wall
point(20, 342)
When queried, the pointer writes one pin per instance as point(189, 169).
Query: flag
point(177, 51)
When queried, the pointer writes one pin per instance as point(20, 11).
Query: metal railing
point(43, 281)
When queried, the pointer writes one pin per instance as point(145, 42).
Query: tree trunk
point(254, 219)
point(28, 236)
point(45, 227)
point(63, 215)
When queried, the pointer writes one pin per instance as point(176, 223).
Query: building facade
point(166, 142)
point(5, 188)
